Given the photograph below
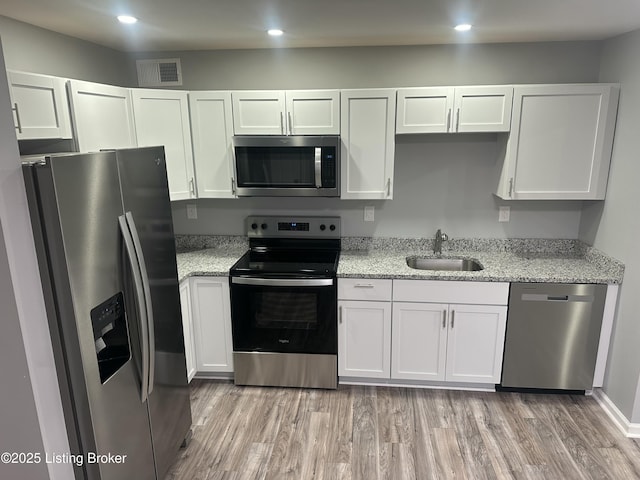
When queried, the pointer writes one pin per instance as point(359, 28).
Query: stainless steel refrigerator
point(104, 238)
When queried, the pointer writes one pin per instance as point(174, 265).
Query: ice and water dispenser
point(110, 335)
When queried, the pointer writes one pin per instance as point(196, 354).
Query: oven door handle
point(283, 282)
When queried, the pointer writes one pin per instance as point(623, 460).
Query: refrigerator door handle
point(147, 298)
point(142, 313)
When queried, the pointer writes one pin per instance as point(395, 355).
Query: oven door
point(286, 315)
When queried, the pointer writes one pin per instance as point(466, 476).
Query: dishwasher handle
point(543, 297)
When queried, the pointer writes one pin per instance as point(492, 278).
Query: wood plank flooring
point(370, 433)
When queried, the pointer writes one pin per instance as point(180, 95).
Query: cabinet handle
point(388, 187)
point(282, 123)
point(458, 120)
point(510, 187)
point(15, 109)
point(290, 123)
point(233, 186)
point(363, 285)
point(340, 314)
point(449, 121)
point(192, 187)
point(453, 318)
point(444, 318)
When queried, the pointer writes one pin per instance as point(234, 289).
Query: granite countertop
point(519, 260)
point(504, 260)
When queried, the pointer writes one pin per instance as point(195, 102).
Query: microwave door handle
point(142, 313)
point(318, 165)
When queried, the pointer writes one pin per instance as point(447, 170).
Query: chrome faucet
point(437, 244)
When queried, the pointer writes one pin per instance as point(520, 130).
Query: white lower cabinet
point(187, 328)
point(419, 341)
point(414, 330)
point(364, 339)
point(211, 312)
point(453, 343)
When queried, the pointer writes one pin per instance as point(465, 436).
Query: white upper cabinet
point(258, 113)
point(313, 112)
point(368, 143)
point(40, 106)
point(295, 112)
point(212, 135)
point(162, 118)
point(560, 142)
point(102, 116)
point(453, 110)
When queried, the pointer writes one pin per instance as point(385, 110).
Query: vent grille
point(159, 73)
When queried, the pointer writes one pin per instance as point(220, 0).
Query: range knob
point(263, 226)
point(254, 226)
point(332, 227)
point(323, 227)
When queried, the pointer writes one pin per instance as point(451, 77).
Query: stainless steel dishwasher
point(552, 336)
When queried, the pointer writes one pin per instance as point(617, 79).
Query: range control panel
point(292, 227)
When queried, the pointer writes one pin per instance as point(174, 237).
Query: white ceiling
point(229, 24)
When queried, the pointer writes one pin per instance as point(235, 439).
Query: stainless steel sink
point(449, 264)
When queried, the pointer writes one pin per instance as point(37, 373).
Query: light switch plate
point(369, 214)
point(192, 212)
point(504, 214)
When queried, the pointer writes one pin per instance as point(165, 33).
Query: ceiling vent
point(163, 72)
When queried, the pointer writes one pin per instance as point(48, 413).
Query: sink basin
point(449, 264)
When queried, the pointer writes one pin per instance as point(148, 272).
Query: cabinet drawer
point(436, 291)
point(364, 289)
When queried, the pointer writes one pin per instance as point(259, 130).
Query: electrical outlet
point(192, 212)
point(504, 214)
point(369, 214)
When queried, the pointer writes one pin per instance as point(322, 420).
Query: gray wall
point(33, 49)
point(440, 181)
point(363, 67)
point(20, 422)
point(614, 227)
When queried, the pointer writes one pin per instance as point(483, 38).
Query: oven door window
point(284, 319)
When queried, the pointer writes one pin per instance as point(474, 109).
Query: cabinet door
point(40, 106)
point(368, 143)
point(212, 324)
point(258, 113)
point(483, 109)
point(313, 112)
point(187, 328)
point(212, 133)
point(162, 118)
point(364, 339)
point(560, 142)
point(475, 343)
point(419, 341)
point(102, 116)
point(425, 110)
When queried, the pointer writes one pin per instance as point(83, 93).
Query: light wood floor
point(369, 433)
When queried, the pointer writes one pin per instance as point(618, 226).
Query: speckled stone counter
point(518, 260)
point(207, 255)
point(504, 260)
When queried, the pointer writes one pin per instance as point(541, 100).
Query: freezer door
point(80, 203)
point(145, 195)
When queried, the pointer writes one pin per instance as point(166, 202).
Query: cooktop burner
point(305, 246)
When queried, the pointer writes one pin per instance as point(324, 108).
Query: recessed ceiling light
point(463, 27)
point(127, 19)
point(275, 32)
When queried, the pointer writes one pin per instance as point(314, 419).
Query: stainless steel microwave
point(287, 166)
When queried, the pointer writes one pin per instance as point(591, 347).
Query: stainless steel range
point(284, 303)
